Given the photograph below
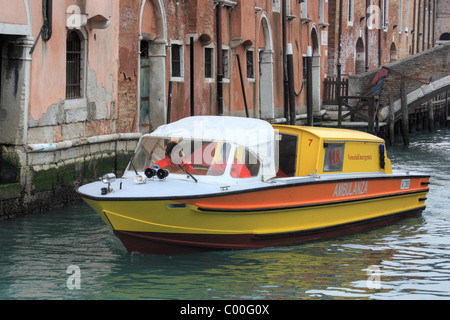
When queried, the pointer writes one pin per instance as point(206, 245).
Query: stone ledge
point(46, 147)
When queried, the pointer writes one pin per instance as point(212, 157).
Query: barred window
point(305, 69)
point(208, 62)
point(350, 12)
point(226, 63)
point(276, 5)
point(250, 64)
point(176, 60)
point(73, 65)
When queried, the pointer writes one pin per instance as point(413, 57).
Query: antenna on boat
point(181, 167)
point(132, 164)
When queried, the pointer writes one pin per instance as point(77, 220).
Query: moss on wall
point(41, 185)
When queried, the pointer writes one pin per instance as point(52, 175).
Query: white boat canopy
point(255, 134)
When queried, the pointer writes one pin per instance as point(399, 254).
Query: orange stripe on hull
point(314, 193)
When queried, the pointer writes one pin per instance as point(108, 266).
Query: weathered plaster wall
point(13, 12)
point(50, 144)
point(51, 116)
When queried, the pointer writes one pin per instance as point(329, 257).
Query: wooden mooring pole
point(371, 115)
point(430, 116)
point(405, 118)
point(447, 117)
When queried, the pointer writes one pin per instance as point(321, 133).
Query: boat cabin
point(212, 149)
point(236, 150)
point(316, 150)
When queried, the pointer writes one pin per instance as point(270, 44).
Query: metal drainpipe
point(339, 40)
point(47, 12)
point(413, 36)
point(191, 48)
point(309, 94)
point(285, 74)
point(429, 24)
point(366, 34)
point(219, 59)
point(434, 23)
point(46, 30)
point(418, 27)
point(338, 76)
point(290, 71)
point(423, 26)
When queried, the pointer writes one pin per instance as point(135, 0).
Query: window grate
point(208, 63)
point(73, 66)
point(176, 60)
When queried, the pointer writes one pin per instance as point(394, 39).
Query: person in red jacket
point(174, 159)
point(238, 169)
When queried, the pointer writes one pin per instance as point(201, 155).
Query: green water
point(406, 260)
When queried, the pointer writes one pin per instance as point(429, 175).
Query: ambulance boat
point(223, 183)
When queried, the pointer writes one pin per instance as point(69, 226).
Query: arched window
point(445, 36)
point(360, 59)
point(393, 53)
point(73, 65)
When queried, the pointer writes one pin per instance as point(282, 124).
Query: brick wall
point(127, 106)
point(332, 37)
point(384, 44)
point(442, 20)
point(128, 69)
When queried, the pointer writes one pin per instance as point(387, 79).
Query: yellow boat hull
point(253, 220)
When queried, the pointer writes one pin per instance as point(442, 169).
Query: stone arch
point(159, 15)
point(360, 57)
point(393, 53)
point(445, 36)
point(19, 23)
point(152, 31)
point(315, 41)
point(266, 95)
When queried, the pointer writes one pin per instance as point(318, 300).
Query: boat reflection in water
point(210, 183)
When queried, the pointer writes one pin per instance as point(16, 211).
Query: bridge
point(410, 90)
point(417, 97)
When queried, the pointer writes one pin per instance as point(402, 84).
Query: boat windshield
point(198, 157)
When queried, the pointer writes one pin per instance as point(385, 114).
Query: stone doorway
point(152, 75)
point(266, 100)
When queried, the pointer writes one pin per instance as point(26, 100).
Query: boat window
point(147, 149)
point(287, 155)
point(245, 164)
point(334, 157)
point(204, 157)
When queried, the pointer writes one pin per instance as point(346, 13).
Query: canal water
point(71, 254)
